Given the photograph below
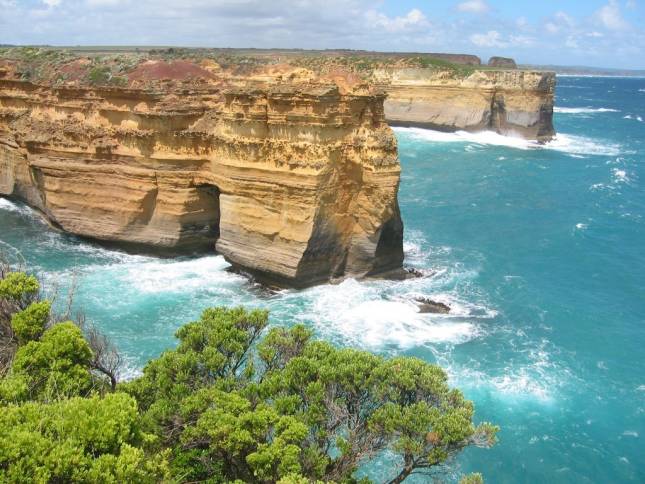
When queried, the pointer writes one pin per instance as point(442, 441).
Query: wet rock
point(427, 305)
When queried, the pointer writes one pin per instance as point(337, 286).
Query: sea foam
point(361, 314)
point(9, 206)
point(563, 110)
point(566, 143)
point(152, 275)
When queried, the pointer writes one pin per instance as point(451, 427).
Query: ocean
point(539, 250)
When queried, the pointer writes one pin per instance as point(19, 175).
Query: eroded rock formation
point(293, 182)
point(280, 160)
point(502, 62)
point(510, 102)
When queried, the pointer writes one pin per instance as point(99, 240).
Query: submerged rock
point(427, 305)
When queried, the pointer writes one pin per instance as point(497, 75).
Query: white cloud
point(564, 19)
point(473, 6)
point(611, 17)
point(105, 3)
point(522, 23)
point(521, 41)
point(560, 22)
point(572, 42)
point(492, 38)
point(331, 24)
point(631, 4)
point(551, 28)
point(414, 19)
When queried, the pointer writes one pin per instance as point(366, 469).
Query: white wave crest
point(358, 313)
point(152, 275)
point(537, 380)
point(481, 137)
point(9, 206)
point(563, 110)
point(522, 386)
point(620, 176)
point(580, 145)
point(566, 143)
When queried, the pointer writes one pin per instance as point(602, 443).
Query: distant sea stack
point(293, 182)
point(502, 62)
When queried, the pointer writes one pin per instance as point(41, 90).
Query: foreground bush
point(76, 440)
point(231, 402)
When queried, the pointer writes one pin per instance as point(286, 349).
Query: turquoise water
point(539, 250)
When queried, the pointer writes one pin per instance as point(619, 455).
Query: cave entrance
point(207, 215)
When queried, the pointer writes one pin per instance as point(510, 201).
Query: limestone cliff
point(294, 182)
point(282, 161)
point(510, 102)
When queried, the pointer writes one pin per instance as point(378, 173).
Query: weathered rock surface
point(427, 305)
point(502, 62)
point(281, 161)
point(510, 102)
point(293, 182)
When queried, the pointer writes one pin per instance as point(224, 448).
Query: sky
point(602, 33)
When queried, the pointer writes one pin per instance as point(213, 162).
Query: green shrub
point(231, 403)
point(17, 285)
point(29, 324)
point(77, 440)
point(55, 367)
point(99, 75)
point(289, 407)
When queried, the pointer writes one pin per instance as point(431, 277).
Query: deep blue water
point(539, 250)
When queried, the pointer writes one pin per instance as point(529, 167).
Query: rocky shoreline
point(286, 167)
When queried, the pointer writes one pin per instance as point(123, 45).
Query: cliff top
point(149, 68)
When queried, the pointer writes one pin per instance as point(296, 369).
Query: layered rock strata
point(295, 183)
point(510, 102)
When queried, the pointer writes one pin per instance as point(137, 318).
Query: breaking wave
point(361, 316)
point(566, 143)
point(9, 206)
point(562, 110)
point(636, 118)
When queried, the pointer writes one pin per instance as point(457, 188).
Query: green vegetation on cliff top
point(110, 66)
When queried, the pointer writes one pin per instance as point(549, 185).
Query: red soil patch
point(75, 70)
point(178, 70)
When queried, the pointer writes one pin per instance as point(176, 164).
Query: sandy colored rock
point(295, 183)
point(510, 102)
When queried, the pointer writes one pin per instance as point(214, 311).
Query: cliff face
point(294, 183)
point(510, 102)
